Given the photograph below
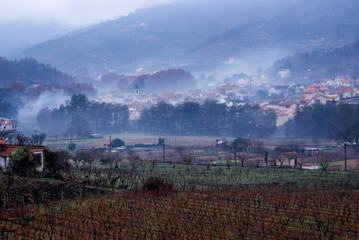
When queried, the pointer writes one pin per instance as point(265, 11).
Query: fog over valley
point(179, 119)
point(191, 49)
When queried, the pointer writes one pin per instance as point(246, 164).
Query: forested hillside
point(29, 71)
point(329, 63)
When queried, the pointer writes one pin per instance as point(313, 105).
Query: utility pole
point(164, 154)
point(110, 146)
point(235, 152)
point(345, 156)
point(162, 141)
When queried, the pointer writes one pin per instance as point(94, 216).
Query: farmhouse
point(6, 124)
point(6, 150)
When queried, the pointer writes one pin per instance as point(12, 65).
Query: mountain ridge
point(197, 39)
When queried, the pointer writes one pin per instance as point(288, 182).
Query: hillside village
point(283, 99)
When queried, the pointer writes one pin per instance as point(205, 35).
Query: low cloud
point(51, 99)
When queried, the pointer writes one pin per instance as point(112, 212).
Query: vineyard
point(246, 212)
point(145, 199)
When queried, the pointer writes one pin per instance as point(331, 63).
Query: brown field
point(249, 212)
point(352, 164)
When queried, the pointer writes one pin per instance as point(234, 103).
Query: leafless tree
point(280, 158)
point(242, 158)
point(187, 159)
point(228, 159)
point(116, 158)
point(133, 157)
point(324, 160)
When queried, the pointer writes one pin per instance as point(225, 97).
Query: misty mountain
point(19, 36)
point(307, 26)
point(331, 62)
point(150, 39)
point(200, 36)
point(29, 71)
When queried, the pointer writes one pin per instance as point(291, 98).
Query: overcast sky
point(73, 13)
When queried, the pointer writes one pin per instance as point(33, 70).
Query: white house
point(38, 153)
point(6, 124)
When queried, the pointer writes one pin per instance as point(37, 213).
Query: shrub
point(21, 162)
point(117, 143)
point(157, 184)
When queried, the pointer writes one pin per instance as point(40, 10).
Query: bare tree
point(116, 158)
point(228, 159)
point(172, 158)
point(280, 158)
point(324, 160)
point(187, 159)
point(243, 158)
point(133, 157)
point(152, 159)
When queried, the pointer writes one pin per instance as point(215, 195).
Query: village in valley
point(283, 99)
point(174, 119)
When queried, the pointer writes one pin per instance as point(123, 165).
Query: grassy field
point(132, 139)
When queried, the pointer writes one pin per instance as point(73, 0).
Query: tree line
point(337, 122)
point(210, 118)
point(80, 117)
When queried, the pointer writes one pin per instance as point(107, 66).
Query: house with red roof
point(319, 98)
point(344, 81)
point(321, 87)
point(6, 124)
point(347, 92)
point(310, 93)
point(305, 102)
point(289, 108)
point(37, 152)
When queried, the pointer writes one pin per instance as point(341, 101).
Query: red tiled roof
point(9, 149)
point(344, 89)
point(285, 103)
point(311, 90)
point(318, 95)
point(346, 80)
point(305, 101)
point(5, 122)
